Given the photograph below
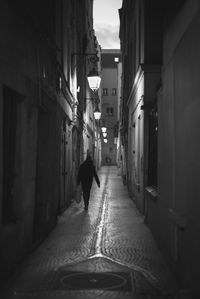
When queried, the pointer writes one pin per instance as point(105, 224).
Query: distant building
point(110, 87)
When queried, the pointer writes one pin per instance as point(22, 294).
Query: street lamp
point(93, 77)
point(103, 129)
point(104, 134)
point(97, 113)
point(94, 80)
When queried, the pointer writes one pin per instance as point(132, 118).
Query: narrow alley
point(105, 252)
point(116, 81)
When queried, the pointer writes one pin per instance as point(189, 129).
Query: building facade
point(160, 117)
point(41, 116)
point(110, 103)
point(141, 78)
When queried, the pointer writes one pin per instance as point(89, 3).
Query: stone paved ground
point(107, 252)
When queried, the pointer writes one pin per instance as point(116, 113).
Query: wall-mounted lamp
point(97, 112)
point(93, 77)
point(94, 80)
point(103, 129)
point(104, 135)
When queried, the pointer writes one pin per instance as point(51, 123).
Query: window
point(114, 91)
point(153, 151)
point(105, 91)
point(109, 111)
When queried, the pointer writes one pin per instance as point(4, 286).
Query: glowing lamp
point(97, 113)
point(94, 80)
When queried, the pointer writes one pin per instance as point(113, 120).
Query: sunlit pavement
point(105, 252)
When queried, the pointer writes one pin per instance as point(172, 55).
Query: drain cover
point(106, 281)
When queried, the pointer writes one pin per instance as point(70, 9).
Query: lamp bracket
point(94, 58)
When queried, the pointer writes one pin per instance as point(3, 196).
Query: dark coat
point(86, 173)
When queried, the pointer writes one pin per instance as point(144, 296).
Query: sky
point(106, 23)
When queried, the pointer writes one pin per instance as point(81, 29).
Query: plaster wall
point(179, 146)
point(136, 143)
point(24, 61)
point(17, 65)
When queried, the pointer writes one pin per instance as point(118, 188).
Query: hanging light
point(94, 80)
point(105, 140)
point(103, 129)
point(97, 113)
point(104, 134)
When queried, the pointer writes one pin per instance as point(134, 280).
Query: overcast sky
point(106, 23)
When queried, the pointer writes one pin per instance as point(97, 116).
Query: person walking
point(85, 176)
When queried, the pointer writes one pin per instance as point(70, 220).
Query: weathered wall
point(176, 211)
point(136, 142)
point(28, 70)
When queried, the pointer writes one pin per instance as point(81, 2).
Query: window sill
point(152, 192)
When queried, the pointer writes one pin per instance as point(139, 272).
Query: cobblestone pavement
point(106, 252)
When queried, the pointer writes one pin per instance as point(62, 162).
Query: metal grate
point(119, 281)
